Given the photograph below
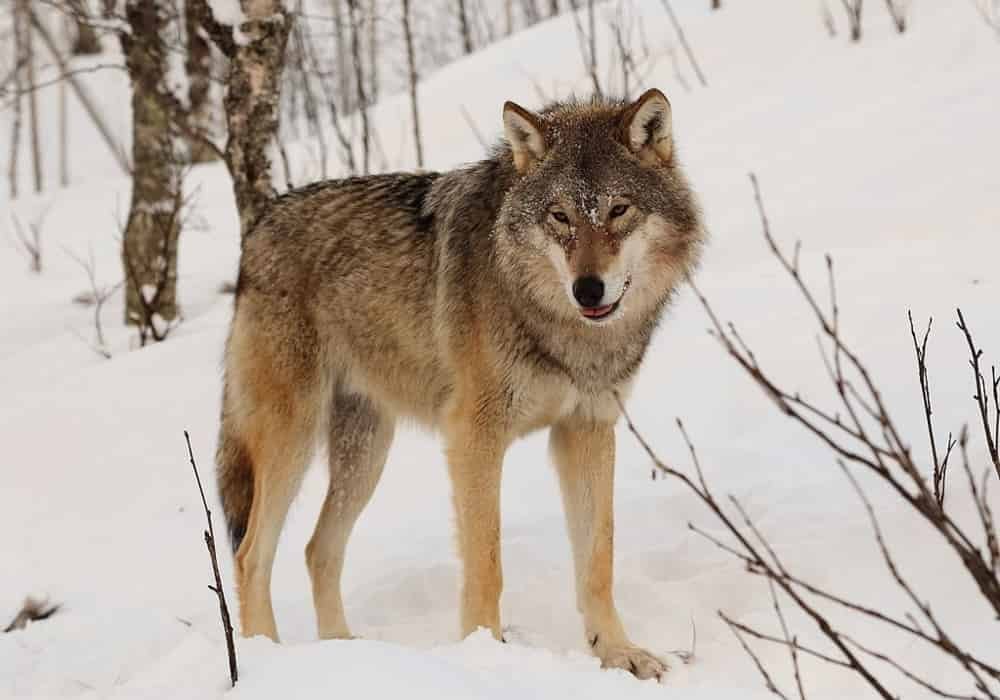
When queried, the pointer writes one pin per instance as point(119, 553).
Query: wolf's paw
point(639, 662)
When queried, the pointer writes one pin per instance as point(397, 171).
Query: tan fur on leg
point(475, 449)
point(584, 454)
point(272, 411)
point(281, 452)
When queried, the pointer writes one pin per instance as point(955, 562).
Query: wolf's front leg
point(475, 456)
point(584, 454)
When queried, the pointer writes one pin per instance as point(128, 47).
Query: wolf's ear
point(646, 128)
point(525, 135)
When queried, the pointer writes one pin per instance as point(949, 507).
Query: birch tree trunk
point(253, 97)
point(198, 66)
point(149, 245)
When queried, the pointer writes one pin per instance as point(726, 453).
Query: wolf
point(515, 294)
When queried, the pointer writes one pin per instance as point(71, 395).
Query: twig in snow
point(227, 625)
point(98, 296)
point(688, 655)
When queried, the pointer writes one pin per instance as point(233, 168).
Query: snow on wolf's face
point(600, 223)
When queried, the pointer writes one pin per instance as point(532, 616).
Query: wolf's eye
point(618, 210)
point(560, 217)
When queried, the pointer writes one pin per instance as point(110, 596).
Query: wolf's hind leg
point(360, 436)
point(584, 454)
point(279, 445)
point(269, 419)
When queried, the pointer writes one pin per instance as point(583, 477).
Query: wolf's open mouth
point(599, 312)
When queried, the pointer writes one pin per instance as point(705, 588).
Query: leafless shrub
point(634, 59)
point(97, 296)
point(302, 74)
point(31, 610)
point(861, 435)
point(587, 39)
point(684, 42)
point(28, 239)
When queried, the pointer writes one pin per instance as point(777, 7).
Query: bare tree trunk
point(36, 149)
point(463, 24)
point(412, 64)
point(86, 42)
point(553, 8)
point(21, 27)
point(372, 53)
point(340, 29)
point(508, 16)
point(309, 97)
point(530, 9)
point(359, 83)
point(149, 245)
point(716, 4)
point(330, 94)
point(489, 31)
point(198, 66)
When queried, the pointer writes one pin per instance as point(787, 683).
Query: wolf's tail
point(235, 480)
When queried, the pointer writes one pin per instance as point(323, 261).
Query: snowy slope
point(883, 155)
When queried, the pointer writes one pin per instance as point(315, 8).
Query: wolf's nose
point(588, 291)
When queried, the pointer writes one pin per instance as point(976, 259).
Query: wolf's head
point(599, 223)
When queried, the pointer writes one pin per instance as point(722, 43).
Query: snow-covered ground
point(884, 155)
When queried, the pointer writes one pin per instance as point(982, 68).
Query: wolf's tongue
point(597, 311)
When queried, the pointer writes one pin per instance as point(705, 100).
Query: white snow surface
point(882, 154)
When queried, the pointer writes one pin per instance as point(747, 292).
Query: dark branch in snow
point(227, 625)
point(31, 611)
point(940, 465)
